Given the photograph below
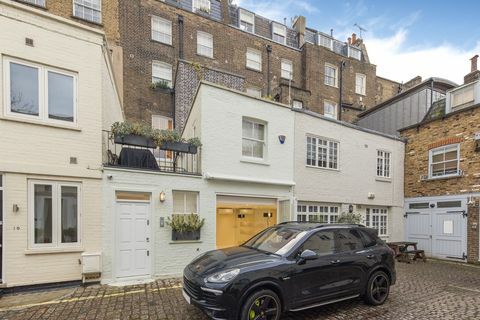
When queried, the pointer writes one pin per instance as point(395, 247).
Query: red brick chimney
point(474, 73)
point(354, 38)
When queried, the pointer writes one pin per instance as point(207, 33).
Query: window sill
point(320, 168)
point(329, 85)
point(85, 20)
point(255, 70)
point(164, 43)
point(382, 179)
point(253, 161)
point(443, 178)
point(204, 56)
point(52, 251)
point(185, 242)
point(40, 123)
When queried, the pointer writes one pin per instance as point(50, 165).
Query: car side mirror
point(307, 255)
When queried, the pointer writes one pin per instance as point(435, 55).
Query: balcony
point(138, 153)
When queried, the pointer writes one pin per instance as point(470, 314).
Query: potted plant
point(170, 140)
point(161, 84)
point(133, 133)
point(185, 227)
point(194, 144)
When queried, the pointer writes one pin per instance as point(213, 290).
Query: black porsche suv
point(291, 267)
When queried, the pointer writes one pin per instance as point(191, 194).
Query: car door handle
point(370, 256)
point(335, 261)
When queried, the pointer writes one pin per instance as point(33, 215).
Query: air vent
point(29, 42)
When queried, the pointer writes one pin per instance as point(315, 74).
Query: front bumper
point(217, 304)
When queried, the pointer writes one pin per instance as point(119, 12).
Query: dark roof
point(438, 83)
point(437, 110)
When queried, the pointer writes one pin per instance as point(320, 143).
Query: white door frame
point(115, 234)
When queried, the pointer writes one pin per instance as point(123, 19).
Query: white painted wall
point(170, 258)
point(32, 150)
point(356, 175)
point(222, 111)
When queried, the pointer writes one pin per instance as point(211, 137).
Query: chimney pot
point(349, 40)
point(354, 38)
point(474, 63)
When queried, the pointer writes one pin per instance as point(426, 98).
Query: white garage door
point(439, 227)
point(133, 257)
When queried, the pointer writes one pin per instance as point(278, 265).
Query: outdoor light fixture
point(350, 208)
point(16, 208)
point(162, 196)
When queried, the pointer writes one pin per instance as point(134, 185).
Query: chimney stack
point(474, 73)
point(300, 25)
point(354, 38)
point(349, 40)
point(474, 63)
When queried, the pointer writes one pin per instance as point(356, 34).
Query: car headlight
point(224, 276)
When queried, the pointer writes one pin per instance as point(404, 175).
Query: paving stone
point(432, 290)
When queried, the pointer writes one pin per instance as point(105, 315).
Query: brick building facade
point(451, 135)
point(301, 50)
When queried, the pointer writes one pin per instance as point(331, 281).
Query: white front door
point(133, 257)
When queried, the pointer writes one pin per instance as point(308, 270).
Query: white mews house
point(56, 95)
point(240, 181)
point(341, 168)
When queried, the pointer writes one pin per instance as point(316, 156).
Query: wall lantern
point(350, 208)
point(162, 196)
point(282, 138)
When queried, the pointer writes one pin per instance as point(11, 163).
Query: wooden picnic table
point(402, 251)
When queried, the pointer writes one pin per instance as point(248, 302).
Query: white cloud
point(277, 10)
point(395, 60)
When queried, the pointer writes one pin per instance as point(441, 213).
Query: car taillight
point(392, 252)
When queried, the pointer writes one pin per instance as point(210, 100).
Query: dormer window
point(279, 33)
point(463, 97)
point(325, 41)
point(354, 53)
point(246, 20)
point(201, 5)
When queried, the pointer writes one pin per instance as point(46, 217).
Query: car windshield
point(278, 240)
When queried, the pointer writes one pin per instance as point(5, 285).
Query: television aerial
point(360, 29)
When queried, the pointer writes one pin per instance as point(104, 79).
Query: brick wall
point(455, 128)
point(230, 46)
point(472, 232)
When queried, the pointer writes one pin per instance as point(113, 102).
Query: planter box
point(192, 149)
point(134, 140)
point(185, 236)
point(176, 146)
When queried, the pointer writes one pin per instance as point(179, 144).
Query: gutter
point(209, 176)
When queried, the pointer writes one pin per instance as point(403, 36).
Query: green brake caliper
point(252, 313)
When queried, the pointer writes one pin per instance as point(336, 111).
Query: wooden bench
point(420, 254)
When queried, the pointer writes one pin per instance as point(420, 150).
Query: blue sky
point(404, 38)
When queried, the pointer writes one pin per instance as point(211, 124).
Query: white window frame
point(56, 215)
point(165, 65)
point(40, 3)
point(287, 69)
point(328, 77)
point(462, 91)
point(431, 163)
point(254, 92)
point(204, 44)
point(384, 164)
point(279, 30)
point(200, 5)
point(325, 41)
point(185, 202)
point(354, 53)
point(43, 110)
point(246, 17)
point(331, 145)
point(264, 141)
point(360, 87)
point(305, 211)
point(166, 23)
point(297, 104)
point(85, 5)
point(335, 108)
point(377, 218)
point(253, 63)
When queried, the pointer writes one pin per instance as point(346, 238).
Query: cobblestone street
point(434, 290)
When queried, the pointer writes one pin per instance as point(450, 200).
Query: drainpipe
point(269, 52)
point(180, 37)
point(340, 84)
point(431, 96)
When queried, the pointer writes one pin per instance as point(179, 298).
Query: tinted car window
point(348, 240)
point(369, 239)
point(275, 240)
point(322, 243)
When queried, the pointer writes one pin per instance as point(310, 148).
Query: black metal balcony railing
point(133, 156)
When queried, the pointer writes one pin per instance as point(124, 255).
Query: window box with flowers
point(185, 227)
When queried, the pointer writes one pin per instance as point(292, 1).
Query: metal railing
point(125, 155)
